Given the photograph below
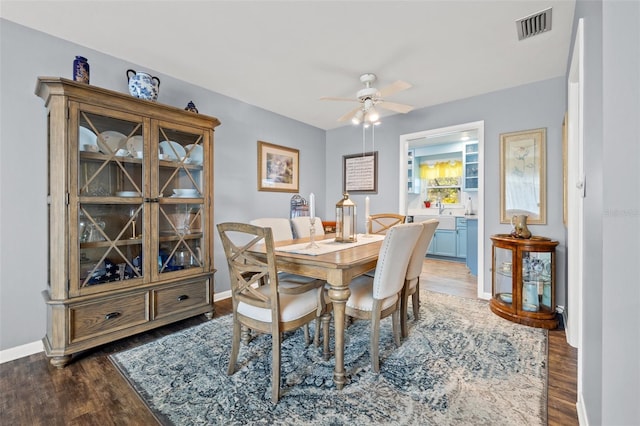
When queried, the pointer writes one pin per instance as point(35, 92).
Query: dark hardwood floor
point(90, 391)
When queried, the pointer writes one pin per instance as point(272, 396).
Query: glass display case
point(130, 215)
point(471, 163)
point(523, 286)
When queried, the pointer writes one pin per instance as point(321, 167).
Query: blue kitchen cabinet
point(461, 237)
point(443, 243)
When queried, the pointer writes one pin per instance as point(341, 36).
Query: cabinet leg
point(60, 361)
point(209, 315)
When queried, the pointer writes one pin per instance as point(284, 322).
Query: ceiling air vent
point(534, 24)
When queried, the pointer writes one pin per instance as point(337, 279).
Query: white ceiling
point(284, 55)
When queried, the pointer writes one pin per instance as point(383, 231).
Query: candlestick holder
point(367, 225)
point(312, 234)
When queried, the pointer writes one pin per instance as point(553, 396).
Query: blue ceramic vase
point(81, 70)
point(191, 107)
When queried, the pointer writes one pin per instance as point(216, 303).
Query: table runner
point(329, 245)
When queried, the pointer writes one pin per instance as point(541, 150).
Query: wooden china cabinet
point(130, 212)
point(523, 280)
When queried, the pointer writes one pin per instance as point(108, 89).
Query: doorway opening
point(436, 137)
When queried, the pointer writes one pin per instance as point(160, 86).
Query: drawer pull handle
point(183, 297)
point(112, 315)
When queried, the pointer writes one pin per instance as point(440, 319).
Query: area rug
point(460, 365)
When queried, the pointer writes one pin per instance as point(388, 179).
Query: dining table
point(336, 263)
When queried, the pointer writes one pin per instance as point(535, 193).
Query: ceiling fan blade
point(331, 98)
point(349, 115)
point(396, 87)
point(392, 106)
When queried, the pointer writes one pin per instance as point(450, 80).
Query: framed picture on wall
point(523, 189)
point(360, 172)
point(278, 168)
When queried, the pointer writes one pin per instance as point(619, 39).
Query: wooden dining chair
point(281, 230)
point(412, 278)
point(374, 298)
point(274, 307)
point(381, 222)
point(301, 226)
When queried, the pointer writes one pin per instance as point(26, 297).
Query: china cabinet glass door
point(536, 281)
point(107, 199)
point(502, 270)
point(180, 211)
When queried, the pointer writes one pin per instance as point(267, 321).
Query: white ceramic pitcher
point(143, 85)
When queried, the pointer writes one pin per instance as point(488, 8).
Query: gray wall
point(27, 54)
point(531, 106)
point(610, 367)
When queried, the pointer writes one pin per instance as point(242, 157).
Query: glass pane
point(536, 281)
point(110, 157)
point(503, 275)
point(110, 243)
point(181, 238)
point(180, 172)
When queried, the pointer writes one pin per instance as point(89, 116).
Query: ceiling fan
point(370, 98)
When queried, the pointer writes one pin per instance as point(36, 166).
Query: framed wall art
point(360, 172)
point(278, 168)
point(523, 176)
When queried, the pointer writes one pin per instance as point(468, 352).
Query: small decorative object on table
point(346, 220)
point(312, 222)
point(81, 70)
point(191, 107)
point(143, 85)
point(520, 229)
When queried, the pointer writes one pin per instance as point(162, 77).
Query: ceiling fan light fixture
point(357, 118)
point(372, 115)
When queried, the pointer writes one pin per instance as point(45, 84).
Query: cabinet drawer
point(107, 315)
point(181, 297)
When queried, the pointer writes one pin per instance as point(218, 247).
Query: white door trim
point(402, 198)
point(575, 207)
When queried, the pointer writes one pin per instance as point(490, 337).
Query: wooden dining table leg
point(339, 294)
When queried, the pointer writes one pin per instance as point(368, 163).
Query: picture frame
point(278, 168)
point(523, 175)
point(360, 173)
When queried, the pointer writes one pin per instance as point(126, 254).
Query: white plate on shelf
point(114, 140)
point(135, 144)
point(127, 194)
point(195, 153)
point(171, 149)
point(506, 297)
point(86, 137)
point(186, 193)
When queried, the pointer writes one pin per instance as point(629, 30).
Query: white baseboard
point(20, 351)
point(221, 296)
point(35, 347)
point(582, 412)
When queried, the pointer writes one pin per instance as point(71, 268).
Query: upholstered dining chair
point(280, 227)
point(273, 307)
point(381, 222)
point(302, 224)
point(412, 278)
point(281, 230)
point(374, 298)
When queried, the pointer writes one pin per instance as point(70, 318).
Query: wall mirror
point(522, 176)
